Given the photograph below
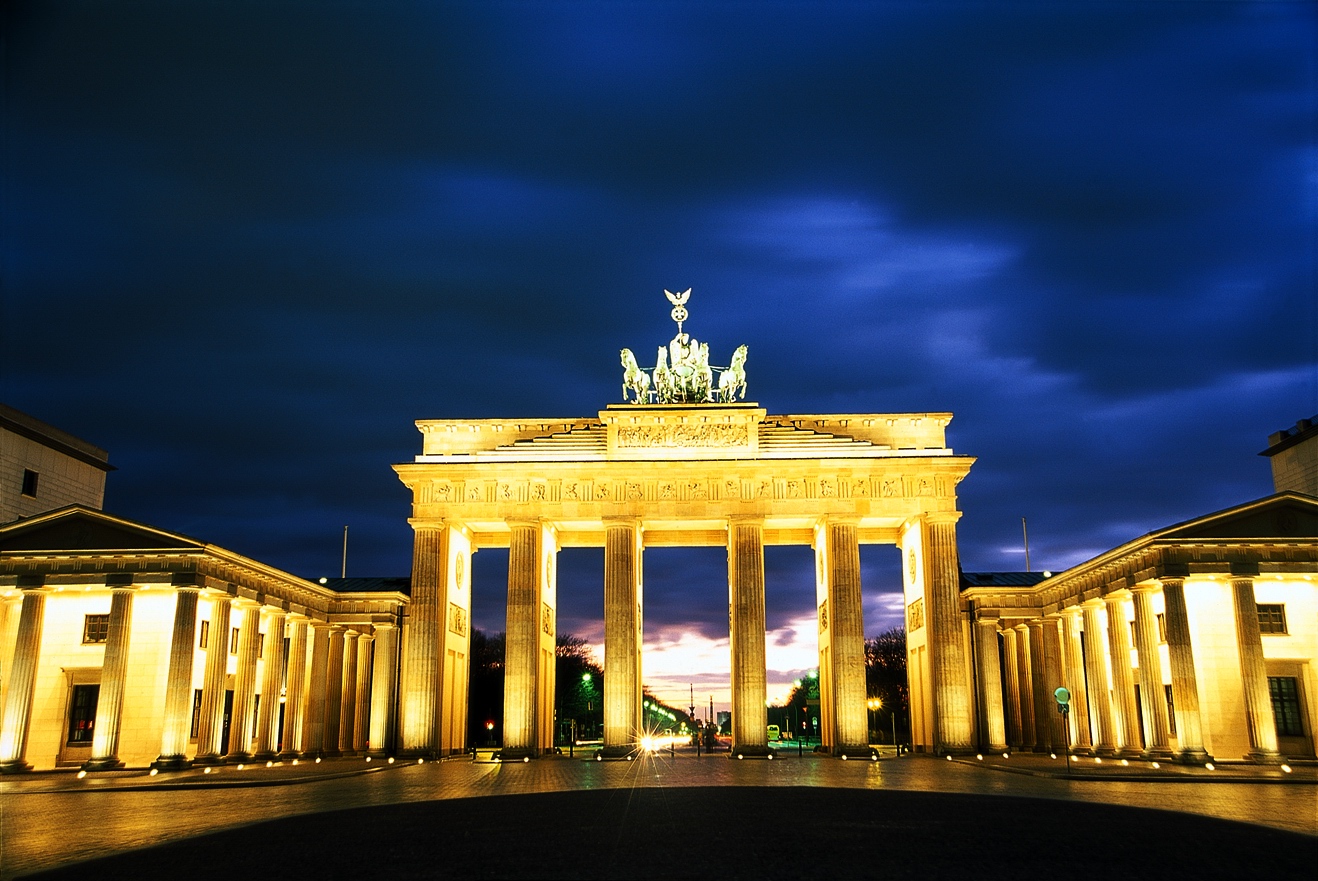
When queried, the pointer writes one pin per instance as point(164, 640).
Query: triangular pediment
point(1285, 515)
point(78, 529)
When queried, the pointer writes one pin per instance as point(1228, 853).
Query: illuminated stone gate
point(654, 475)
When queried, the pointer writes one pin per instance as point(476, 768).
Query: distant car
point(775, 733)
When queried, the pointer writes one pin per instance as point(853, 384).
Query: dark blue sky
point(246, 245)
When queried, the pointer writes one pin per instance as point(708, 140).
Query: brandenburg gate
point(683, 463)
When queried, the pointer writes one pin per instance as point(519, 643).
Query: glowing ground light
point(979, 756)
point(368, 760)
point(1156, 765)
point(207, 771)
point(1052, 755)
point(1125, 763)
point(317, 760)
point(270, 764)
point(526, 759)
point(844, 757)
point(1098, 760)
point(82, 774)
point(1286, 769)
point(154, 772)
point(391, 760)
point(1006, 755)
point(295, 761)
point(949, 758)
point(240, 767)
point(1210, 767)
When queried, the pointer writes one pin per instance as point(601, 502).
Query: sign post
point(1063, 697)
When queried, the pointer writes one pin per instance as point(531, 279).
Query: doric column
point(384, 673)
point(1254, 673)
point(362, 701)
point(1127, 721)
point(420, 687)
point(313, 725)
point(1058, 735)
point(114, 678)
point(953, 725)
point(1185, 687)
point(178, 683)
point(295, 691)
point(1073, 662)
point(746, 635)
point(622, 635)
point(334, 691)
point(1025, 679)
point(348, 703)
point(244, 681)
point(992, 728)
point(1013, 714)
point(272, 681)
point(1100, 693)
point(528, 674)
point(842, 635)
point(22, 680)
point(210, 725)
point(1151, 687)
point(1039, 690)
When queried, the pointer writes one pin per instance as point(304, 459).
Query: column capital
point(746, 519)
point(986, 617)
point(941, 517)
point(1165, 580)
point(32, 583)
point(1145, 587)
point(121, 580)
point(1096, 603)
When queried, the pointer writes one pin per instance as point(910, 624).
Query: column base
point(1268, 757)
point(109, 763)
point(172, 763)
point(1192, 757)
point(866, 753)
point(17, 766)
point(332, 754)
point(625, 752)
point(288, 755)
point(239, 758)
point(751, 751)
point(1107, 752)
point(1159, 754)
point(208, 760)
point(265, 756)
point(380, 753)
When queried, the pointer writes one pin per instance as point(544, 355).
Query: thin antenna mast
point(1026, 533)
point(343, 573)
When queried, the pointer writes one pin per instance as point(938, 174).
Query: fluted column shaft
point(746, 632)
point(295, 691)
point(1151, 687)
point(993, 729)
point(272, 681)
point(421, 683)
point(178, 683)
point(348, 705)
point(1123, 686)
point(1013, 714)
point(1025, 678)
point(384, 672)
point(210, 725)
point(522, 681)
point(1185, 685)
point(1100, 692)
point(313, 726)
point(1254, 673)
point(334, 691)
point(244, 682)
point(114, 678)
point(1074, 671)
point(622, 634)
point(22, 682)
point(849, 716)
point(1058, 735)
point(362, 701)
point(953, 720)
point(1039, 690)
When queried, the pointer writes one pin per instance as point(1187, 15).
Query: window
point(95, 629)
point(196, 712)
point(30, 483)
point(82, 713)
point(1285, 693)
point(1162, 626)
point(233, 641)
point(1272, 618)
point(1171, 710)
point(205, 634)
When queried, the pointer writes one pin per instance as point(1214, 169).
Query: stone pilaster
point(1058, 735)
point(1151, 685)
point(114, 679)
point(1039, 690)
point(1254, 674)
point(22, 682)
point(210, 725)
point(384, 690)
point(295, 691)
point(1123, 685)
point(746, 635)
point(1185, 687)
point(1100, 693)
point(174, 738)
point(1073, 662)
point(348, 702)
point(993, 731)
point(272, 682)
point(953, 713)
point(244, 682)
point(840, 565)
point(361, 725)
point(421, 683)
point(313, 726)
point(1010, 661)
point(334, 691)
point(1025, 679)
point(622, 635)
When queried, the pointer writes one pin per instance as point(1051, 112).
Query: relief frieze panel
point(683, 436)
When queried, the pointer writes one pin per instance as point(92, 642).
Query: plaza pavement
point(898, 817)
